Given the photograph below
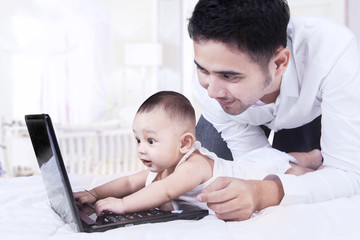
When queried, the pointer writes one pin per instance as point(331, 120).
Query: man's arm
point(236, 199)
point(338, 91)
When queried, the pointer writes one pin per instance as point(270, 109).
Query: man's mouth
point(225, 102)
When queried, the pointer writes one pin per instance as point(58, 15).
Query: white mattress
point(25, 213)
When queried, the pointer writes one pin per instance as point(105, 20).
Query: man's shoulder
point(317, 27)
point(313, 38)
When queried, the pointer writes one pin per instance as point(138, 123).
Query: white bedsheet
point(25, 213)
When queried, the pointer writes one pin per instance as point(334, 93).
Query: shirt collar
point(289, 85)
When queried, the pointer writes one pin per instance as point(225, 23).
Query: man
point(256, 68)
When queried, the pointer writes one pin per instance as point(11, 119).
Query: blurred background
point(90, 63)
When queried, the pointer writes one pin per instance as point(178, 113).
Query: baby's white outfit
point(247, 169)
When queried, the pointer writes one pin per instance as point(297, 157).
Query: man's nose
point(215, 88)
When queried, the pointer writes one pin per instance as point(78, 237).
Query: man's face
point(230, 77)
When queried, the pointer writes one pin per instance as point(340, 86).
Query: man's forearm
point(269, 193)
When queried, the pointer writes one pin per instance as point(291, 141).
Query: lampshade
point(143, 54)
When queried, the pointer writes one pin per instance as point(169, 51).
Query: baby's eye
point(137, 140)
point(151, 141)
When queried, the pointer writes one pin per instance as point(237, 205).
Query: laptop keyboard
point(110, 217)
point(114, 218)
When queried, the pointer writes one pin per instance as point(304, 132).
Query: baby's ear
point(187, 142)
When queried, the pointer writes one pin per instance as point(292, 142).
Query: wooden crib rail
point(99, 151)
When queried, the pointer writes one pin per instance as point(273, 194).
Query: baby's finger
point(99, 207)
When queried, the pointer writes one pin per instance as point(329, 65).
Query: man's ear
point(282, 58)
point(187, 142)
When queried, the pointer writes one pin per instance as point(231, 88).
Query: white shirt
point(323, 77)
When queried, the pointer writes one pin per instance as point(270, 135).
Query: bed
point(25, 213)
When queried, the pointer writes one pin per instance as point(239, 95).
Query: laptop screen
point(52, 170)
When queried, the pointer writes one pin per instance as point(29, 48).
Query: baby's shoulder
point(197, 158)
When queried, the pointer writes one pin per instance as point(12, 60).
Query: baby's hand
point(110, 204)
point(85, 196)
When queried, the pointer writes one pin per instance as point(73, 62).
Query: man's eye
point(229, 77)
point(201, 69)
point(151, 141)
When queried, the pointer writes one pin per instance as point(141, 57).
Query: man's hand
point(236, 199)
point(110, 204)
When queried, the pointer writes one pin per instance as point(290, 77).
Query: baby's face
point(158, 140)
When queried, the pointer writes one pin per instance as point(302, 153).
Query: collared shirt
point(323, 77)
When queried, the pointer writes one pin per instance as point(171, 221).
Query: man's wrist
point(268, 193)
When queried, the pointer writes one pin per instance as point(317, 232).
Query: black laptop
point(82, 218)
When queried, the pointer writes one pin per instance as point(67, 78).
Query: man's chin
point(234, 111)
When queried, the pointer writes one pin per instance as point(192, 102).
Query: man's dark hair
point(256, 27)
point(176, 105)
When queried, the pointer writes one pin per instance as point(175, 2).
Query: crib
point(98, 150)
point(94, 149)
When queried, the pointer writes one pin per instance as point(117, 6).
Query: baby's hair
point(176, 105)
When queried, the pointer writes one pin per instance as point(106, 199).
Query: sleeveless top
point(247, 169)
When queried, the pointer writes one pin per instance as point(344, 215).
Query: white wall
point(334, 9)
point(117, 22)
point(105, 86)
point(93, 65)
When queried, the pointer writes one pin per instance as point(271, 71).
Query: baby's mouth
point(147, 163)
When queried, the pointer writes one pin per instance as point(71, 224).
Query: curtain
point(57, 55)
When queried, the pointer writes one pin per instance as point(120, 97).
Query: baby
point(178, 168)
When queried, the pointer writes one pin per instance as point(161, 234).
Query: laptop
point(82, 218)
